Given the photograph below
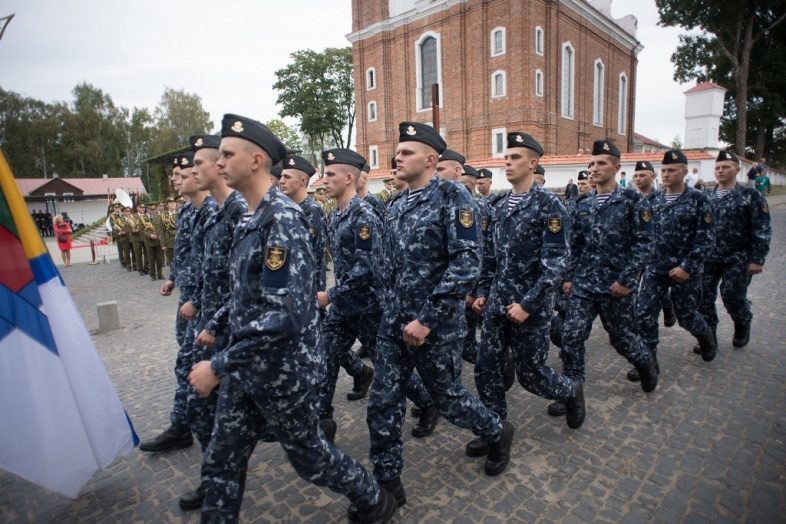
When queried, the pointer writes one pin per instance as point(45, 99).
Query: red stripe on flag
point(15, 272)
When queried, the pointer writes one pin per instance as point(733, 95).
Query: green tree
point(178, 116)
point(288, 136)
point(676, 143)
point(729, 31)
point(318, 90)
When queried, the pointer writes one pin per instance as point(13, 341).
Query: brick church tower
point(561, 70)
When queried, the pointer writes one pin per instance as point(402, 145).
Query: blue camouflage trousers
point(734, 280)
point(200, 411)
point(184, 335)
point(685, 296)
point(440, 369)
point(241, 418)
point(617, 317)
point(529, 344)
point(339, 333)
point(469, 352)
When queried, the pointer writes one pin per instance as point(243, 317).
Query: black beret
point(470, 171)
point(484, 173)
point(725, 155)
point(343, 156)
point(256, 132)
point(276, 170)
point(393, 164)
point(518, 139)
point(417, 132)
point(643, 165)
point(175, 161)
point(185, 159)
point(204, 141)
point(366, 168)
point(449, 154)
point(298, 162)
point(674, 156)
point(605, 147)
point(583, 175)
point(540, 171)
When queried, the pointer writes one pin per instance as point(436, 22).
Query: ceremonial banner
point(61, 420)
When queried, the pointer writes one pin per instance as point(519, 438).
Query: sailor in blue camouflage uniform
point(684, 235)
point(525, 263)
point(183, 275)
point(294, 180)
point(540, 176)
point(271, 369)
point(362, 190)
point(610, 242)
point(433, 239)
point(355, 237)
point(742, 241)
point(212, 331)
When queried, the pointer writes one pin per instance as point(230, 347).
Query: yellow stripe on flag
point(28, 232)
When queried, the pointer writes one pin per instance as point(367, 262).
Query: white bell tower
point(703, 111)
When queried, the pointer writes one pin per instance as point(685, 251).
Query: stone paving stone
point(706, 446)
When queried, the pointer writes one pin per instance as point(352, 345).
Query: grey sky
point(228, 51)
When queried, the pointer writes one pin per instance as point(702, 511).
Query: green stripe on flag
point(6, 220)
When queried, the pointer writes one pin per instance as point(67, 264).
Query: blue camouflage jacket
point(742, 226)
point(432, 246)
point(217, 243)
point(273, 309)
point(201, 218)
point(528, 254)
point(318, 234)
point(376, 204)
point(356, 243)
point(609, 242)
point(684, 232)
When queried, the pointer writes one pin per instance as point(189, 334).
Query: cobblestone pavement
point(706, 446)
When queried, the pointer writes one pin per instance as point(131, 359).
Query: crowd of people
point(419, 272)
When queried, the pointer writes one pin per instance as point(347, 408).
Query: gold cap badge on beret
point(674, 156)
point(184, 161)
point(606, 146)
point(198, 142)
point(291, 161)
point(519, 138)
point(411, 131)
point(331, 156)
point(237, 127)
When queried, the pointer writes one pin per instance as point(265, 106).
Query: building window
point(568, 74)
point(372, 111)
point(429, 69)
point(622, 110)
point(498, 83)
point(371, 78)
point(539, 40)
point(373, 157)
point(538, 82)
point(498, 41)
point(597, 93)
point(498, 137)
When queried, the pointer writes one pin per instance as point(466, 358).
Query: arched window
point(373, 157)
point(568, 74)
point(539, 40)
point(371, 78)
point(498, 41)
point(622, 110)
point(498, 83)
point(538, 82)
point(372, 111)
point(597, 92)
point(429, 68)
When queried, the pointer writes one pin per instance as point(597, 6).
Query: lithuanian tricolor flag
point(61, 420)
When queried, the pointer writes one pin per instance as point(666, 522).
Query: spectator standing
point(63, 236)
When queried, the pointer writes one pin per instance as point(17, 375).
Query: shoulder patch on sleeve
point(466, 228)
point(555, 229)
point(364, 233)
point(646, 215)
point(708, 217)
point(275, 273)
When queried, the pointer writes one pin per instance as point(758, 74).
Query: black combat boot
point(380, 513)
point(393, 486)
point(173, 437)
point(426, 422)
point(499, 452)
point(697, 347)
point(633, 374)
point(329, 428)
point(193, 500)
point(575, 410)
point(669, 317)
point(476, 447)
point(361, 384)
point(648, 375)
point(708, 347)
point(556, 408)
point(742, 334)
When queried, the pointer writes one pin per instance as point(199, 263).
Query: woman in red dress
point(63, 236)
